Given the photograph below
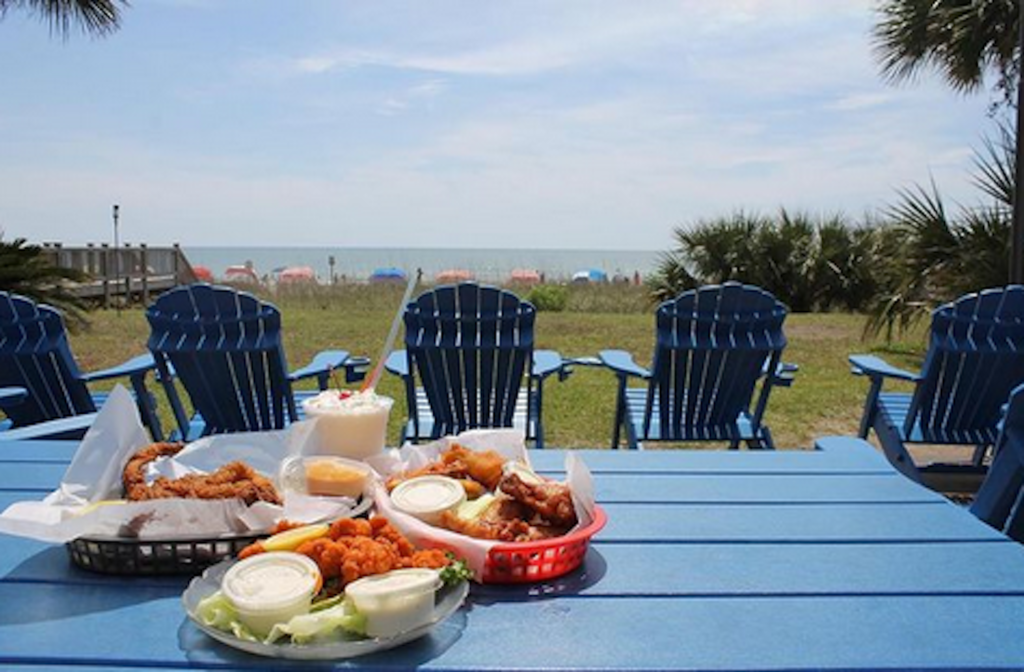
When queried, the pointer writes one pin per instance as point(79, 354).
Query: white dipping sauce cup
point(271, 588)
point(396, 602)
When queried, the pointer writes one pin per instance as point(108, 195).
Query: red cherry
point(345, 394)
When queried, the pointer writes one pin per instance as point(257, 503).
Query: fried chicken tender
point(548, 500)
point(454, 469)
point(483, 466)
point(134, 473)
point(478, 472)
point(235, 480)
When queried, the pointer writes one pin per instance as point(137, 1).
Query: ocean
point(488, 265)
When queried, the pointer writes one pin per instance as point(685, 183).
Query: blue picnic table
point(824, 559)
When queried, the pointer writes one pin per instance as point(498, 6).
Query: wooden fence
point(128, 271)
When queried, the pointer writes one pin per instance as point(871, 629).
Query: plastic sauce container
point(395, 602)
point(324, 476)
point(271, 588)
point(335, 477)
point(427, 497)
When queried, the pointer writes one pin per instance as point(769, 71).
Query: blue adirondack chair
point(469, 362)
point(998, 501)
point(225, 348)
point(61, 428)
point(975, 357)
point(36, 357)
point(712, 346)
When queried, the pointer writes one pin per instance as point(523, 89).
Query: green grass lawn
point(825, 399)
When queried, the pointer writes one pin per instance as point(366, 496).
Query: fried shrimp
point(355, 548)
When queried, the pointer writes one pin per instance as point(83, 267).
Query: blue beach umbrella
point(590, 275)
point(391, 274)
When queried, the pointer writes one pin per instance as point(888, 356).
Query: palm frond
point(995, 165)
point(25, 270)
point(962, 40)
point(96, 17)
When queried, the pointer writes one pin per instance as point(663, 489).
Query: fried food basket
point(152, 557)
point(532, 561)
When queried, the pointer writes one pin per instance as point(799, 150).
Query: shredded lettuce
point(321, 624)
point(331, 618)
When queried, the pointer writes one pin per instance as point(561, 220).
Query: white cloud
point(860, 101)
point(609, 32)
point(315, 64)
point(594, 124)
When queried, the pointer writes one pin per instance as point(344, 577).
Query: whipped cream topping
point(350, 402)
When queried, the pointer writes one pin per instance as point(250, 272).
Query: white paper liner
point(95, 475)
point(511, 444)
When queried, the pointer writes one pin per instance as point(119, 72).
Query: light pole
point(117, 258)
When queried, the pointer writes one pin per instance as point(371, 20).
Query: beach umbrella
point(525, 276)
point(390, 274)
point(241, 273)
point(454, 275)
point(590, 275)
point(202, 273)
point(297, 274)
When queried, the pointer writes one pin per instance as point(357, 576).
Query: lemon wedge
point(291, 539)
point(92, 506)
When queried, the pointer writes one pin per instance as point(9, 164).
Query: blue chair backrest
point(712, 345)
point(470, 345)
point(998, 499)
point(225, 347)
point(34, 354)
point(975, 358)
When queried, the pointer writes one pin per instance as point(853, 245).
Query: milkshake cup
point(349, 424)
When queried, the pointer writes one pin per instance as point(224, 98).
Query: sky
point(459, 123)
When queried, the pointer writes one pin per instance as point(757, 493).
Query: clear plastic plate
point(447, 602)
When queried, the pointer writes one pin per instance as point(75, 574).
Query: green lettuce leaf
point(321, 624)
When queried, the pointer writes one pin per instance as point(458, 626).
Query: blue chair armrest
point(621, 362)
point(135, 366)
point(12, 396)
point(876, 367)
point(356, 368)
point(397, 363)
point(547, 362)
point(323, 363)
point(71, 428)
point(783, 374)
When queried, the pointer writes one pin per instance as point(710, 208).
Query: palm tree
point(964, 40)
point(25, 270)
point(807, 262)
point(97, 17)
point(944, 255)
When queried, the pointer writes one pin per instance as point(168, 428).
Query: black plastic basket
point(149, 557)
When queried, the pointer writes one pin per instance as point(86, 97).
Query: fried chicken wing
point(504, 520)
point(548, 500)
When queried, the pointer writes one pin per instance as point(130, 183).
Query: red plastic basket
point(532, 561)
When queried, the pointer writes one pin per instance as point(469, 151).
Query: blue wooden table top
point(710, 560)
